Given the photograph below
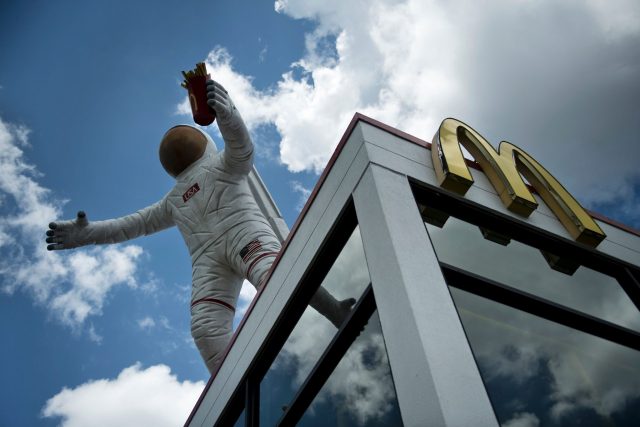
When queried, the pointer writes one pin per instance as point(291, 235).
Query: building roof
point(357, 118)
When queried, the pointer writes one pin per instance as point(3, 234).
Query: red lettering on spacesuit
point(190, 192)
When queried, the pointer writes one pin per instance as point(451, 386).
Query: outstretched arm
point(81, 232)
point(238, 152)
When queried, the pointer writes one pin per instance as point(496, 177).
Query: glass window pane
point(347, 278)
point(241, 420)
point(539, 373)
point(360, 391)
point(523, 267)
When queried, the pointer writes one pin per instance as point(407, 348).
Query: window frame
point(333, 354)
point(247, 393)
point(627, 275)
point(538, 306)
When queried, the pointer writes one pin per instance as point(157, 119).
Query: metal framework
point(375, 180)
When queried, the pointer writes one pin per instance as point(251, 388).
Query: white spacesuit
point(212, 205)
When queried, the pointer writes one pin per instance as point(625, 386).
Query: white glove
point(226, 112)
point(80, 232)
point(238, 146)
point(69, 234)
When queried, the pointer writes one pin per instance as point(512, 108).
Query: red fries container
point(202, 113)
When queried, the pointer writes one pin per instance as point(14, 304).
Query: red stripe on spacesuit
point(213, 301)
point(258, 258)
point(251, 252)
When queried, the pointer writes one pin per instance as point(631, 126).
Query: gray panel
point(623, 238)
point(436, 377)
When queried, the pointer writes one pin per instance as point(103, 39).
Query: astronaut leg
point(214, 297)
point(251, 252)
point(335, 311)
point(211, 329)
point(254, 258)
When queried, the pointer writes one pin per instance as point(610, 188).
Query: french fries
point(200, 70)
point(195, 82)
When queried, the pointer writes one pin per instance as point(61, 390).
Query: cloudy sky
point(87, 90)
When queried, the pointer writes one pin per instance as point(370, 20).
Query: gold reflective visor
point(180, 147)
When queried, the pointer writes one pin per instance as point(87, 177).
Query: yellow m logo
point(503, 168)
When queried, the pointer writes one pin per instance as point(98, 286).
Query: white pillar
point(436, 378)
point(267, 205)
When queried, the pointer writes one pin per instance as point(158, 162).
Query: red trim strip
point(258, 258)
point(213, 301)
point(251, 253)
point(614, 223)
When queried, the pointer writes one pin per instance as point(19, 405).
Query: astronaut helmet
point(183, 145)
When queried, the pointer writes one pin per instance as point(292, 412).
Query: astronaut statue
point(228, 236)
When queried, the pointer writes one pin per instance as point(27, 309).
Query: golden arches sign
point(504, 168)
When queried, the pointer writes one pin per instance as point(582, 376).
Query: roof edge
point(476, 165)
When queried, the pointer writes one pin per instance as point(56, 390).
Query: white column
point(436, 377)
point(267, 205)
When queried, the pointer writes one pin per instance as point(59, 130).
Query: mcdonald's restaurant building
point(486, 295)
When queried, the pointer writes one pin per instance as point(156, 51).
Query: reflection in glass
point(241, 420)
point(523, 267)
point(360, 390)
point(348, 277)
point(539, 373)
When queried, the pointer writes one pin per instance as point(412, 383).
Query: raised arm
point(238, 152)
point(81, 232)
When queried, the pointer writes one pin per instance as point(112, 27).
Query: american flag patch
point(248, 251)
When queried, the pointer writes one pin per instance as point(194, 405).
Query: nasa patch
point(190, 192)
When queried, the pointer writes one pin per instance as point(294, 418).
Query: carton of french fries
point(195, 82)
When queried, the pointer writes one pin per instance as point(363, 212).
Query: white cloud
point(304, 194)
point(617, 21)
point(137, 397)
point(92, 274)
point(247, 293)
point(582, 371)
point(557, 78)
point(263, 54)
point(94, 336)
point(71, 285)
point(361, 384)
point(165, 323)
point(362, 379)
point(184, 108)
point(146, 323)
point(524, 419)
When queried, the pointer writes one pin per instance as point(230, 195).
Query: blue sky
point(88, 88)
